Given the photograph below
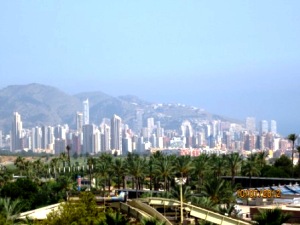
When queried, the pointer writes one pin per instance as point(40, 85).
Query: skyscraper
point(150, 125)
point(79, 121)
point(16, 132)
point(36, 139)
point(251, 124)
point(264, 127)
point(88, 136)
point(50, 138)
point(139, 120)
point(273, 127)
point(187, 133)
point(105, 137)
point(86, 112)
point(116, 134)
point(45, 141)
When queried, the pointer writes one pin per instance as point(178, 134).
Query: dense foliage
point(48, 180)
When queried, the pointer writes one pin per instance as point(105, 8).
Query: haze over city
point(234, 58)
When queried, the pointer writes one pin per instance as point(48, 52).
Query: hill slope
point(44, 105)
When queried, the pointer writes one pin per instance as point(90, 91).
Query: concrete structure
point(16, 132)
point(116, 134)
point(86, 112)
point(88, 136)
point(251, 124)
point(79, 121)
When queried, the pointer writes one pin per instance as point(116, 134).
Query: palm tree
point(234, 161)
point(156, 156)
point(292, 138)
point(271, 216)
point(120, 170)
point(115, 218)
point(219, 191)
point(261, 159)
point(11, 209)
point(39, 168)
point(251, 169)
point(54, 164)
point(20, 164)
point(64, 158)
point(204, 202)
point(68, 148)
point(184, 166)
point(201, 165)
point(137, 169)
point(104, 167)
point(186, 193)
point(164, 169)
point(298, 150)
point(90, 164)
point(218, 165)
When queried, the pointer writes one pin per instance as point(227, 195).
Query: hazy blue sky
point(236, 58)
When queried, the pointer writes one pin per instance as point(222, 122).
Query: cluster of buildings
point(113, 135)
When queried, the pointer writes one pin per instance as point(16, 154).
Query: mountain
point(38, 104)
point(44, 105)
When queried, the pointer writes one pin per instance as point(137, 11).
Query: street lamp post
point(181, 181)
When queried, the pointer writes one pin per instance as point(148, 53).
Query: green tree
point(219, 191)
point(201, 165)
point(234, 161)
point(82, 212)
point(104, 168)
point(292, 138)
point(114, 218)
point(219, 165)
point(54, 165)
point(271, 217)
point(10, 209)
point(251, 169)
point(164, 169)
point(24, 189)
point(137, 169)
point(184, 165)
point(120, 170)
point(298, 150)
point(20, 164)
point(285, 164)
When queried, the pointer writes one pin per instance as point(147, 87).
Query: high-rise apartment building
point(60, 132)
point(105, 137)
point(97, 141)
point(16, 132)
point(45, 141)
point(59, 146)
point(36, 139)
point(88, 136)
point(139, 120)
point(76, 143)
point(273, 127)
point(187, 133)
point(79, 121)
point(50, 134)
point(150, 125)
point(86, 112)
point(116, 133)
point(264, 127)
point(251, 124)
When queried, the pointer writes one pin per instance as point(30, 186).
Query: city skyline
point(114, 136)
point(234, 58)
